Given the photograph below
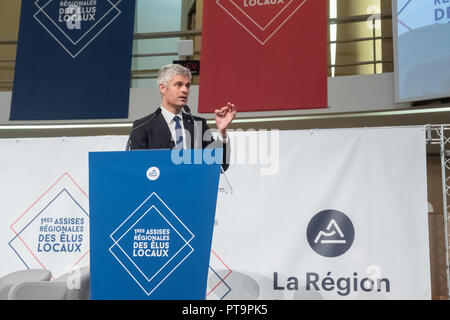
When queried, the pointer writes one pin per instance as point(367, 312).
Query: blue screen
point(422, 49)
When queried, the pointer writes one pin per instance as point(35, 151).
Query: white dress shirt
point(168, 116)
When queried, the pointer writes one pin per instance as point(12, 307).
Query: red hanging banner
point(264, 55)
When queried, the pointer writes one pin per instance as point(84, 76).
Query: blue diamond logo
point(151, 243)
point(76, 26)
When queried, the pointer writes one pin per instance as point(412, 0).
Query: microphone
point(156, 113)
point(188, 111)
point(171, 144)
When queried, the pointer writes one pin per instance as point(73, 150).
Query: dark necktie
point(178, 133)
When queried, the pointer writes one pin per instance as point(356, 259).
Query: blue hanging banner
point(151, 224)
point(73, 60)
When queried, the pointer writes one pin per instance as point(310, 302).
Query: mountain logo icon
point(322, 234)
point(330, 233)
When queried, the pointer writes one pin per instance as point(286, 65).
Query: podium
point(151, 223)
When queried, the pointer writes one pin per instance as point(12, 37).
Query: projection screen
point(421, 33)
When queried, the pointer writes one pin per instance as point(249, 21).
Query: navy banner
point(73, 60)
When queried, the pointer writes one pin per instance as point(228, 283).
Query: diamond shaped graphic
point(263, 21)
point(262, 16)
point(51, 16)
point(151, 243)
point(44, 241)
point(219, 287)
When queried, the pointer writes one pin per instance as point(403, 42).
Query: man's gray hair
point(171, 70)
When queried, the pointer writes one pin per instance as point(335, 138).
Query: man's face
point(175, 94)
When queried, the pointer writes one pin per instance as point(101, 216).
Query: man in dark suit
point(169, 127)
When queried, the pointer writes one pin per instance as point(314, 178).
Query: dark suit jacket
point(155, 134)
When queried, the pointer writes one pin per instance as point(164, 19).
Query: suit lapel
point(162, 132)
point(189, 127)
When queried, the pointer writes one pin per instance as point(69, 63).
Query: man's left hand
point(224, 116)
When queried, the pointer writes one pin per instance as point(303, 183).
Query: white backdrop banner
point(323, 214)
point(345, 217)
point(44, 206)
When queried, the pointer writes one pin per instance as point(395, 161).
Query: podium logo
point(75, 24)
point(151, 244)
point(262, 19)
point(330, 233)
point(153, 173)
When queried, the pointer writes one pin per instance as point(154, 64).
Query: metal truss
point(440, 135)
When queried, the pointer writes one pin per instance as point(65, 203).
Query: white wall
point(345, 94)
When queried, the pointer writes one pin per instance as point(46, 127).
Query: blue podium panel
point(151, 223)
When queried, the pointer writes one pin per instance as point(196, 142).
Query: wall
point(346, 94)
point(436, 229)
point(9, 26)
